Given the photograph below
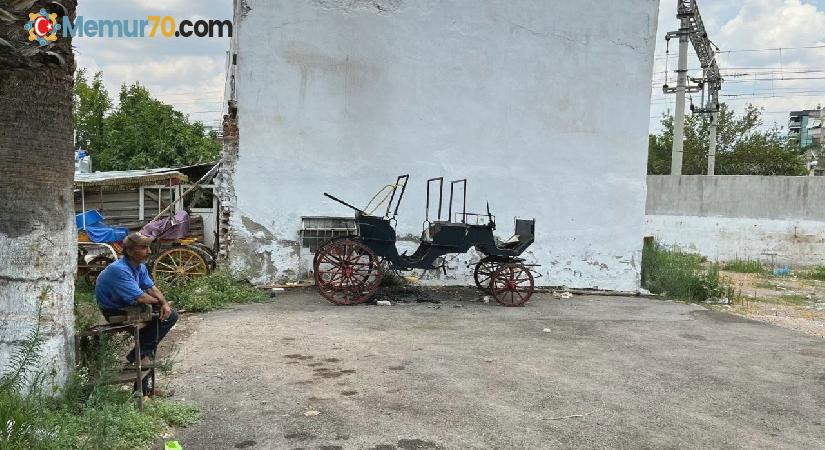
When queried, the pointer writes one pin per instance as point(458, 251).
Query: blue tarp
point(97, 230)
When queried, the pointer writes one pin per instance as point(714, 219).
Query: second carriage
point(348, 269)
point(177, 256)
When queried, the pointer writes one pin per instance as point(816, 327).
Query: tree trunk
point(38, 247)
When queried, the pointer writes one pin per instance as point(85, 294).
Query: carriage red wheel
point(483, 272)
point(346, 272)
point(512, 284)
point(329, 241)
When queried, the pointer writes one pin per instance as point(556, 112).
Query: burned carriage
point(348, 269)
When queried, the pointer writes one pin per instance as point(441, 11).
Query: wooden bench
point(134, 319)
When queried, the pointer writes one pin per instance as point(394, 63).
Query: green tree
point(143, 132)
point(91, 104)
point(743, 147)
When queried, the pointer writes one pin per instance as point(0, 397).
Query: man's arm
point(155, 292)
point(153, 296)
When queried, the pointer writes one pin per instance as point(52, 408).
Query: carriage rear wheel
point(347, 272)
point(483, 272)
point(206, 252)
point(512, 284)
point(95, 267)
point(179, 265)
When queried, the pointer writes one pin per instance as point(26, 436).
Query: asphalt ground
point(585, 372)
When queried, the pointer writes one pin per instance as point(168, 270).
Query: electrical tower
point(692, 30)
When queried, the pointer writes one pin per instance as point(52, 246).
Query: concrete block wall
point(770, 218)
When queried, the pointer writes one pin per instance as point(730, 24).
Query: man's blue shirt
point(120, 284)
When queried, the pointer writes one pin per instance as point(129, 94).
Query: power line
point(746, 50)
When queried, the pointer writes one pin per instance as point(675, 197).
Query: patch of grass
point(391, 280)
point(795, 299)
point(745, 266)
point(679, 275)
point(176, 414)
point(214, 291)
point(87, 412)
point(765, 285)
point(86, 312)
point(788, 300)
point(817, 273)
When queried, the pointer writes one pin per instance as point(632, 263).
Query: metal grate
point(315, 230)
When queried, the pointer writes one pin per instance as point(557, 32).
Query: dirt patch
point(789, 302)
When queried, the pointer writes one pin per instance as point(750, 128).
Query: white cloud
point(774, 24)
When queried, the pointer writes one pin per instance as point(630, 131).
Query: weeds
point(390, 279)
point(817, 273)
point(788, 300)
point(86, 312)
point(683, 276)
point(745, 266)
point(214, 291)
point(87, 413)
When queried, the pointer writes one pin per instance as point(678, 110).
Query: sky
point(777, 80)
point(188, 73)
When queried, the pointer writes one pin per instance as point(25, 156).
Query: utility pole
point(714, 122)
point(692, 29)
point(681, 86)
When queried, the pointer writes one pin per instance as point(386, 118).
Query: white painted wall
point(797, 243)
point(745, 217)
point(543, 106)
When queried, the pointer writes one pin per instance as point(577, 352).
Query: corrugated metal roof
point(122, 177)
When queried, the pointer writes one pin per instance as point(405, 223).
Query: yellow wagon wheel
point(179, 265)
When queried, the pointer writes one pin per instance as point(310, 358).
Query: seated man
point(125, 283)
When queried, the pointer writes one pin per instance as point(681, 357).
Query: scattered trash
point(486, 299)
point(172, 445)
point(783, 271)
point(278, 289)
point(488, 360)
point(546, 330)
point(383, 303)
point(291, 284)
point(562, 294)
point(312, 413)
point(643, 291)
point(574, 416)
point(458, 305)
